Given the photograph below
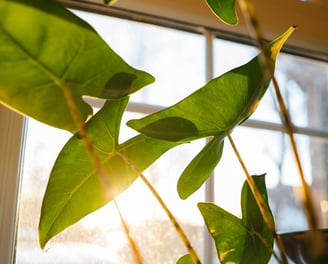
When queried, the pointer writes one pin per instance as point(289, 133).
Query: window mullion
point(209, 185)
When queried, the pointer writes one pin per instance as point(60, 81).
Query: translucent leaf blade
point(74, 188)
point(217, 107)
point(240, 240)
point(44, 50)
point(250, 211)
point(200, 168)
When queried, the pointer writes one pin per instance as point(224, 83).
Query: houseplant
point(46, 83)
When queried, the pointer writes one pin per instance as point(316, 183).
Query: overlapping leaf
point(245, 240)
point(75, 189)
point(216, 108)
point(47, 54)
point(213, 110)
point(224, 10)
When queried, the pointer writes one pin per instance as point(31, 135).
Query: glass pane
point(269, 152)
point(304, 85)
point(229, 55)
point(175, 58)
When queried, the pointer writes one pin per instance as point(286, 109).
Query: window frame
point(12, 137)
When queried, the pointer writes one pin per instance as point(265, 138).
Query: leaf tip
point(182, 194)
point(276, 45)
point(110, 2)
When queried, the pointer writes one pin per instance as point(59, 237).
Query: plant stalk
point(308, 204)
point(98, 165)
point(84, 136)
point(175, 223)
point(260, 202)
point(103, 176)
point(133, 245)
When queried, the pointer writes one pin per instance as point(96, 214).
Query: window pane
point(229, 55)
point(304, 85)
point(270, 152)
point(175, 58)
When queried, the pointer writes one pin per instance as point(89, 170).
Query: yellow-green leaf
point(75, 189)
point(217, 107)
point(240, 240)
point(225, 10)
point(50, 58)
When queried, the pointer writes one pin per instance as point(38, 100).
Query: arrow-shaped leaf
point(50, 58)
point(217, 107)
point(224, 10)
point(246, 240)
point(74, 188)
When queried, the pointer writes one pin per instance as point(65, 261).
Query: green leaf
point(245, 240)
point(74, 188)
point(200, 168)
point(250, 211)
point(47, 53)
point(110, 2)
point(186, 259)
point(224, 10)
point(216, 108)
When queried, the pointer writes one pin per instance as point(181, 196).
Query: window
point(99, 238)
point(181, 66)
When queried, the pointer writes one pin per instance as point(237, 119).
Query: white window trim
point(12, 127)
point(274, 17)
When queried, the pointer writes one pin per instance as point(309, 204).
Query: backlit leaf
point(200, 168)
point(216, 108)
point(110, 2)
point(47, 53)
point(74, 188)
point(246, 240)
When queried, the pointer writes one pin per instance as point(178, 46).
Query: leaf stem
point(97, 164)
point(265, 242)
point(308, 204)
point(259, 200)
point(173, 220)
point(84, 136)
point(127, 232)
